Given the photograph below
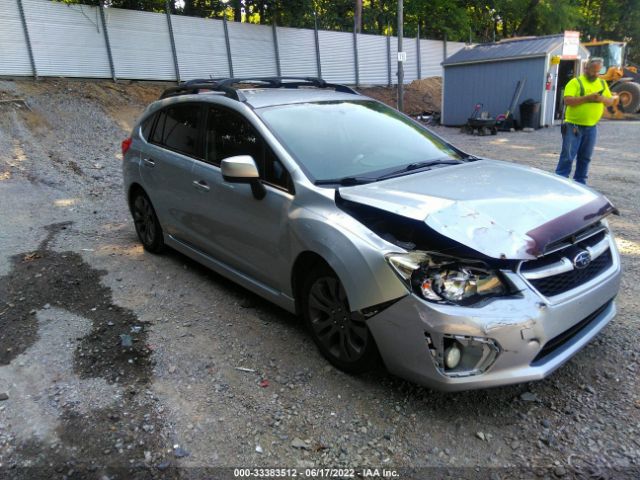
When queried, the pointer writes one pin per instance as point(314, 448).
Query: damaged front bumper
point(526, 336)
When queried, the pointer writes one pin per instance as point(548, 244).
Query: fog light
point(465, 355)
point(452, 356)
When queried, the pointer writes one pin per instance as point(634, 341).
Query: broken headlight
point(445, 279)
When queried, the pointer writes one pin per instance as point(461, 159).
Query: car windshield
point(353, 139)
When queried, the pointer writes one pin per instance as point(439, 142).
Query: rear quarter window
point(147, 125)
point(159, 129)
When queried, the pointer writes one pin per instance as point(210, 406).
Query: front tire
point(341, 336)
point(146, 222)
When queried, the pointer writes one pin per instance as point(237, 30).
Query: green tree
point(612, 20)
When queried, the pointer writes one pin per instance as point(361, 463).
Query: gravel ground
point(115, 363)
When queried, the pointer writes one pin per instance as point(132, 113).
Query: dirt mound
point(123, 100)
point(420, 96)
point(424, 94)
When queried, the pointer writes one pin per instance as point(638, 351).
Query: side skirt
point(225, 270)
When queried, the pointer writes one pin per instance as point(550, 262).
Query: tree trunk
point(357, 16)
point(261, 18)
point(237, 10)
point(188, 7)
point(527, 25)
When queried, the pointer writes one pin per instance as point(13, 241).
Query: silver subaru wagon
point(459, 272)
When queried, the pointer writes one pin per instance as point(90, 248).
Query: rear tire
point(341, 336)
point(629, 96)
point(146, 222)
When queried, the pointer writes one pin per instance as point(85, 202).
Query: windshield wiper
point(412, 166)
point(345, 181)
point(419, 165)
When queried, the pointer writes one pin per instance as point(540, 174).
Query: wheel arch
point(134, 189)
point(359, 264)
point(305, 261)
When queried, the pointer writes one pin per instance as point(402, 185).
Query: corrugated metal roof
point(506, 49)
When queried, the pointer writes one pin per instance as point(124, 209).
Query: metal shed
point(489, 73)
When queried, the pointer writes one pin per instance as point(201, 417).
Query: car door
point(248, 234)
point(167, 164)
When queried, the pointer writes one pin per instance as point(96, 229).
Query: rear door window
point(181, 129)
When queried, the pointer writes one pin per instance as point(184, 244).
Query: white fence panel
point(14, 53)
point(394, 60)
point(141, 45)
point(67, 40)
point(252, 50)
point(411, 65)
point(372, 59)
point(431, 55)
point(200, 47)
point(297, 49)
point(336, 57)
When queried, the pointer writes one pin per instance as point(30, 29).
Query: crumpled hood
point(499, 209)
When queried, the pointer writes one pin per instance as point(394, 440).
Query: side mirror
point(239, 169)
point(243, 169)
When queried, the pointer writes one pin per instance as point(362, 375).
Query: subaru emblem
point(582, 260)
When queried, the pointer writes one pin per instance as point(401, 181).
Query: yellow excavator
point(623, 77)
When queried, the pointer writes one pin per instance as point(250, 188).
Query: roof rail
point(225, 85)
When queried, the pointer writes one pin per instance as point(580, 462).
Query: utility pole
point(357, 17)
point(401, 58)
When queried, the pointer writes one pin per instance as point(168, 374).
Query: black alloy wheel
point(146, 222)
point(341, 335)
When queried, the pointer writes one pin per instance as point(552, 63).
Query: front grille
point(567, 250)
point(554, 273)
point(563, 282)
point(554, 345)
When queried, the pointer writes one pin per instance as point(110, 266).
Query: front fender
point(355, 253)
